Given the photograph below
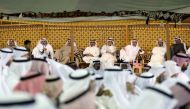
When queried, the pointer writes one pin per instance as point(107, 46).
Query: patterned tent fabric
point(12, 6)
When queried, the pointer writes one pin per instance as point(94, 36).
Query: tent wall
point(122, 31)
point(147, 36)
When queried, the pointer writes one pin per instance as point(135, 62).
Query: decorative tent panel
point(147, 35)
point(122, 32)
point(91, 5)
point(48, 10)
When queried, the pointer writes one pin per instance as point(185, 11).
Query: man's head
point(110, 42)
point(134, 42)
point(96, 65)
point(92, 43)
point(177, 40)
point(27, 44)
point(160, 43)
point(68, 43)
point(44, 41)
point(11, 43)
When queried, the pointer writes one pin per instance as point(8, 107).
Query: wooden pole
point(72, 44)
point(44, 31)
point(167, 40)
point(127, 34)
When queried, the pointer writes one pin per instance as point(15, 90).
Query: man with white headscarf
point(130, 52)
point(35, 75)
point(11, 44)
point(158, 53)
point(59, 69)
point(63, 55)
point(20, 100)
point(20, 66)
point(158, 97)
point(181, 91)
point(32, 75)
point(108, 52)
point(43, 49)
point(78, 93)
point(6, 55)
point(120, 83)
point(31, 83)
point(94, 68)
point(21, 62)
point(158, 73)
point(53, 87)
point(116, 76)
point(174, 71)
point(91, 53)
point(178, 52)
point(146, 79)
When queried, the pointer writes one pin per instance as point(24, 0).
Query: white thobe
point(38, 51)
point(94, 51)
point(108, 56)
point(157, 57)
point(129, 53)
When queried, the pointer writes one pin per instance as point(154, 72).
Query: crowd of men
point(41, 79)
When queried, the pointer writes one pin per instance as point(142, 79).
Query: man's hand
point(45, 49)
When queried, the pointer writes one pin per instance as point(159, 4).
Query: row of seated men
point(38, 83)
point(108, 53)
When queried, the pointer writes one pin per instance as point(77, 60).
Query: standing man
point(130, 52)
point(43, 49)
point(91, 53)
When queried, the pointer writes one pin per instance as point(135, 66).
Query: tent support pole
point(72, 44)
point(44, 31)
point(167, 40)
point(127, 35)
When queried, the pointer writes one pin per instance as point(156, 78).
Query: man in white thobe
point(11, 43)
point(108, 57)
point(174, 71)
point(91, 53)
point(158, 54)
point(6, 55)
point(78, 91)
point(130, 52)
point(43, 50)
point(22, 100)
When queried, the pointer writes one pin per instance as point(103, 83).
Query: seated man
point(63, 55)
point(178, 46)
point(108, 52)
point(130, 52)
point(91, 53)
point(178, 52)
point(158, 54)
point(43, 49)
